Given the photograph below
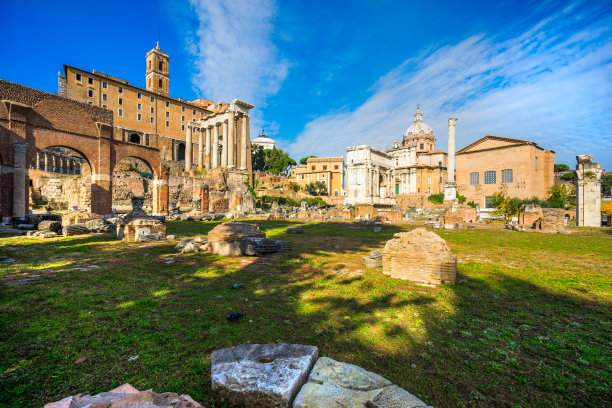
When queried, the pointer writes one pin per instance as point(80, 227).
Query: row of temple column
point(216, 143)
point(408, 182)
point(57, 163)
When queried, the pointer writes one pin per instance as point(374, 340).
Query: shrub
point(436, 198)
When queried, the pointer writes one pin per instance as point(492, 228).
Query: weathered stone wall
point(419, 256)
point(405, 201)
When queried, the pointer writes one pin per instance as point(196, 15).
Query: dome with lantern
point(419, 134)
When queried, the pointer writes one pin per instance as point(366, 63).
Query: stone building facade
point(150, 117)
point(413, 166)
point(329, 170)
point(514, 167)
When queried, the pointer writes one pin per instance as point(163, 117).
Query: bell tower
point(158, 76)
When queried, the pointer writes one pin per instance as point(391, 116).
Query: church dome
point(419, 134)
point(418, 128)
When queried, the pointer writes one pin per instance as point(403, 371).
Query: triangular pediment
point(490, 142)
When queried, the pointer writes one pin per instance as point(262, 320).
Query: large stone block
point(333, 384)
point(260, 375)
point(134, 230)
point(225, 238)
point(419, 256)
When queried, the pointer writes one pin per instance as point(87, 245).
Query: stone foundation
point(419, 256)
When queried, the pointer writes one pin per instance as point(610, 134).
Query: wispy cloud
point(551, 84)
point(234, 56)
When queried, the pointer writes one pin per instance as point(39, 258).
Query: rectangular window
point(474, 181)
point(104, 84)
point(167, 104)
point(194, 111)
point(120, 89)
point(78, 77)
point(90, 93)
point(167, 114)
point(507, 176)
point(324, 167)
point(152, 119)
point(139, 106)
point(120, 112)
point(152, 99)
point(120, 101)
point(428, 179)
point(335, 167)
point(201, 114)
point(182, 118)
point(182, 109)
point(182, 127)
point(139, 116)
point(489, 202)
point(152, 109)
point(90, 80)
point(104, 97)
point(167, 123)
point(313, 168)
point(139, 95)
point(536, 163)
point(489, 177)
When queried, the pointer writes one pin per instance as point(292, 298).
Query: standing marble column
point(230, 142)
point(224, 152)
point(243, 144)
point(208, 142)
point(188, 147)
point(200, 148)
point(71, 166)
point(215, 147)
point(64, 165)
point(37, 167)
point(19, 180)
point(450, 188)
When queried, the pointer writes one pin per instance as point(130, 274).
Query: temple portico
point(222, 139)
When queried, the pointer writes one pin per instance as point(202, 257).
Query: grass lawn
point(528, 324)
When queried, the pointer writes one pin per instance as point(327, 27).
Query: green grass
point(528, 323)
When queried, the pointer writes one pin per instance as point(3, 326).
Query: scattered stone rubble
point(239, 238)
point(374, 260)
point(419, 256)
point(126, 396)
point(289, 375)
point(142, 230)
point(188, 245)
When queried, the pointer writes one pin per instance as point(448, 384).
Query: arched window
point(149, 64)
point(161, 65)
point(135, 138)
point(161, 83)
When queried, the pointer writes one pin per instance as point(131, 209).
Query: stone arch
point(149, 156)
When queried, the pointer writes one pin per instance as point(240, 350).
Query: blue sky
point(325, 75)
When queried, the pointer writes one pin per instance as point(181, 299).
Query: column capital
point(452, 121)
point(20, 147)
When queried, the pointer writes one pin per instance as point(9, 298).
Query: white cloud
point(234, 55)
point(551, 84)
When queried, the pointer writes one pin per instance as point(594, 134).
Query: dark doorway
point(135, 138)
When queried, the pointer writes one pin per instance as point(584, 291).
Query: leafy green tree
point(506, 207)
point(303, 160)
point(606, 182)
point(317, 188)
point(275, 161)
point(569, 176)
point(560, 195)
point(561, 167)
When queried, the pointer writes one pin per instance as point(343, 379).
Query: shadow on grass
point(499, 341)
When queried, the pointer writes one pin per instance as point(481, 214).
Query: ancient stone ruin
point(141, 229)
point(239, 238)
point(126, 396)
point(290, 375)
point(588, 192)
point(419, 256)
